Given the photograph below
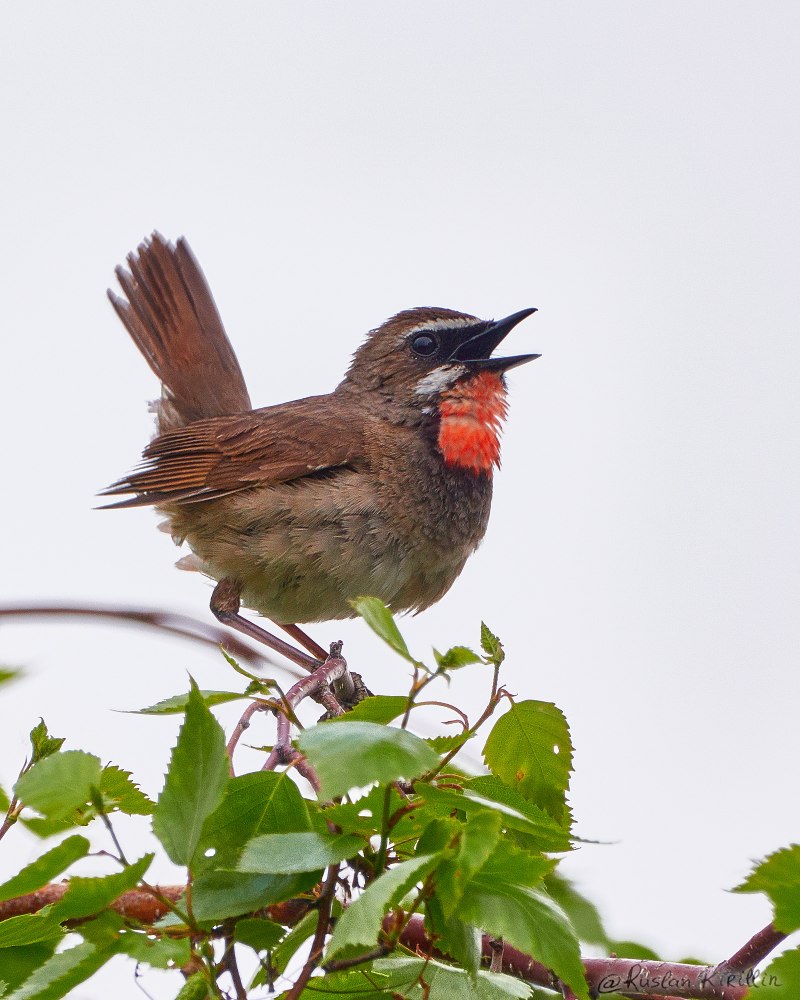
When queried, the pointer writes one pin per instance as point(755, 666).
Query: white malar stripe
point(439, 379)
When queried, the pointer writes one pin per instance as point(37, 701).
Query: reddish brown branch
point(180, 625)
point(729, 980)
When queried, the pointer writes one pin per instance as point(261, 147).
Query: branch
point(181, 625)
point(728, 980)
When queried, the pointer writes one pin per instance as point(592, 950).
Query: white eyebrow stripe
point(434, 325)
point(438, 379)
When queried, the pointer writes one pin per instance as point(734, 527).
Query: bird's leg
point(225, 606)
point(305, 641)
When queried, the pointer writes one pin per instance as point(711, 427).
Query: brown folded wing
point(211, 458)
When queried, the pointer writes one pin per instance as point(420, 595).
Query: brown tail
point(172, 318)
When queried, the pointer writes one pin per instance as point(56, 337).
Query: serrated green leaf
point(445, 982)
point(583, 914)
point(360, 923)
point(541, 831)
point(781, 979)
point(49, 827)
point(60, 783)
point(360, 753)
point(195, 782)
point(529, 749)
point(28, 928)
point(455, 657)
point(381, 709)
point(19, 963)
point(159, 953)
point(462, 942)
point(178, 703)
point(294, 940)
point(444, 744)
point(86, 896)
point(348, 815)
point(195, 988)
point(380, 620)
point(491, 645)
point(222, 894)
point(290, 853)
point(120, 792)
point(257, 803)
point(260, 935)
point(42, 743)
point(506, 899)
point(479, 839)
point(44, 869)
point(63, 972)
point(778, 875)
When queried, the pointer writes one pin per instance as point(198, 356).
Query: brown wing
point(172, 318)
point(211, 458)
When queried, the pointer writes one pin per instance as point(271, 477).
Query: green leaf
point(455, 657)
point(361, 753)
point(86, 896)
point(381, 709)
point(529, 749)
point(63, 972)
point(583, 914)
point(380, 620)
point(28, 928)
point(42, 743)
point(360, 923)
point(195, 988)
point(261, 802)
point(45, 868)
point(223, 894)
point(633, 949)
point(60, 783)
point(289, 853)
point(178, 703)
point(260, 935)
point(19, 963)
point(444, 744)
point(781, 979)
point(445, 982)
point(159, 953)
point(479, 840)
point(538, 827)
point(9, 674)
point(459, 940)
point(505, 900)
point(541, 831)
point(778, 875)
point(491, 646)
point(294, 940)
point(195, 783)
point(120, 792)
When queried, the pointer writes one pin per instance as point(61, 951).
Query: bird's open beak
point(475, 353)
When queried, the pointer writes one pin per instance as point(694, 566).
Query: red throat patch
point(472, 413)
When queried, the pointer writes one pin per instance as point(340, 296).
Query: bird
point(381, 487)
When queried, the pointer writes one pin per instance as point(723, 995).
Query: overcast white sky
point(629, 168)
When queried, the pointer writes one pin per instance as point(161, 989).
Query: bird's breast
point(471, 415)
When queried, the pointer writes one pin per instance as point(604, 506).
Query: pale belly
point(302, 552)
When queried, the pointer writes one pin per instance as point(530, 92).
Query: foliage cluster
point(398, 833)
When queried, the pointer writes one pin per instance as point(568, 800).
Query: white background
point(630, 169)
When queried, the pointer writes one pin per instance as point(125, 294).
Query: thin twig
point(183, 626)
point(323, 923)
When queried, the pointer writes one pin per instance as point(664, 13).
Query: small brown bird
point(381, 487)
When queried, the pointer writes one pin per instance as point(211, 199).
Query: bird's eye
point(424, 344)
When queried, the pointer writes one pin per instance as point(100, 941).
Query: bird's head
point(438, 363)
